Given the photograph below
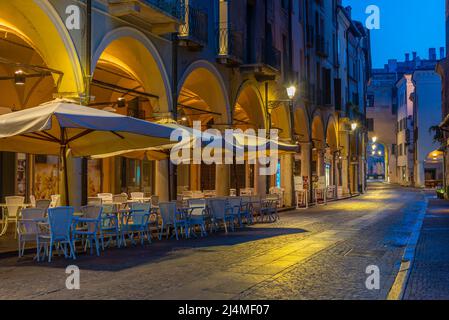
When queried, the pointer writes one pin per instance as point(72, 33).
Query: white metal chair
point(33, 201)
point(13, 206)
point(105, 197)
point(137, 196)
point(27, 228)
point(94, 201)
point(55, 201)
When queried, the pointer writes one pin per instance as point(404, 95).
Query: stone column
point(195, 170)
point(286, 178)
point(320, 169)
point(222, 179)
point(306, 167)
point(260, 181)
point(420, 177)
point(247, 175)
point(162, 187)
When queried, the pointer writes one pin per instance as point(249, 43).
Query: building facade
point(224, 63)
point(405, 93)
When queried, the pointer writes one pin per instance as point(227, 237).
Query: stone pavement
point(320, 253)
point(429, 276)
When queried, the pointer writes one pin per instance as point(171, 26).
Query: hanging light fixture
point(121, 102)
point(19, 78)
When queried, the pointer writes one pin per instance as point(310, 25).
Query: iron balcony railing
point(175, 8)
point(195, 26)
point(230, 43)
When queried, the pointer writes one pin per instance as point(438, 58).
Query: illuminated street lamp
point(354, 126)
point(374, 139)
point(291, 92)
point(379, 153)
point(374, 147)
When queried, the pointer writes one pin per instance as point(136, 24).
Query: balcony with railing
point(265, 62)
point(194, 32)
point(159, 16)
point(230, 46)
point(322, 47)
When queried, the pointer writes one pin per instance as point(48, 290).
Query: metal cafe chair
point(56, 232)
point(197, 215)
point(27, 228)
point(221, 214)
point(171, 216)
point(110, 226)
point(136, 221)
point(55, 200)
point(43, 204)
point(88, 228)
point(13, 206)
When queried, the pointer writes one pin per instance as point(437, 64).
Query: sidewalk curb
point(397, 290)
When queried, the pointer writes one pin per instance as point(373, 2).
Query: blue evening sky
point(405, 26)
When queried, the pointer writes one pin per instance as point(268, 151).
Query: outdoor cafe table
point(3, 206)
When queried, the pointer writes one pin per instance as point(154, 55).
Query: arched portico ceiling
point(248, 109)
point(202, 94)
point(332, 133)
point(318, 133)
point(15, 54)
point(132, 52)
point(40, 26)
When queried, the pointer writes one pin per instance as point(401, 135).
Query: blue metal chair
point(221, 213)
point(136, 221)
point(171, 216)
point(110, 227)
point(235, 203)
point(88, 228)
point(58, 232)
point(197, 215)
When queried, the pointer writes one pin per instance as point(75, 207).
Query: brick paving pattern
point(429, 277)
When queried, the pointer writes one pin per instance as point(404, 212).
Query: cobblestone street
point(320, 253)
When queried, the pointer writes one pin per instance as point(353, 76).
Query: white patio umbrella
point(58, 126)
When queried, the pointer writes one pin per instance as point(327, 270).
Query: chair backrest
point(140, 213)
point(55, 200)
point(218, 207)
point(168, 212)
point(108, 208)
point(33, 201)
point(155, 201)
point(120, 198)
point(60, 220)
point(137, 195)
point(245, 199)
point(234, 202)
point(198, 204)
point(94, 201)
point(197, 195)
point(28, 226)
point(105, 197)
point(146, 207)
point(13, 204)
point(43, 204)
point(92, 212)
